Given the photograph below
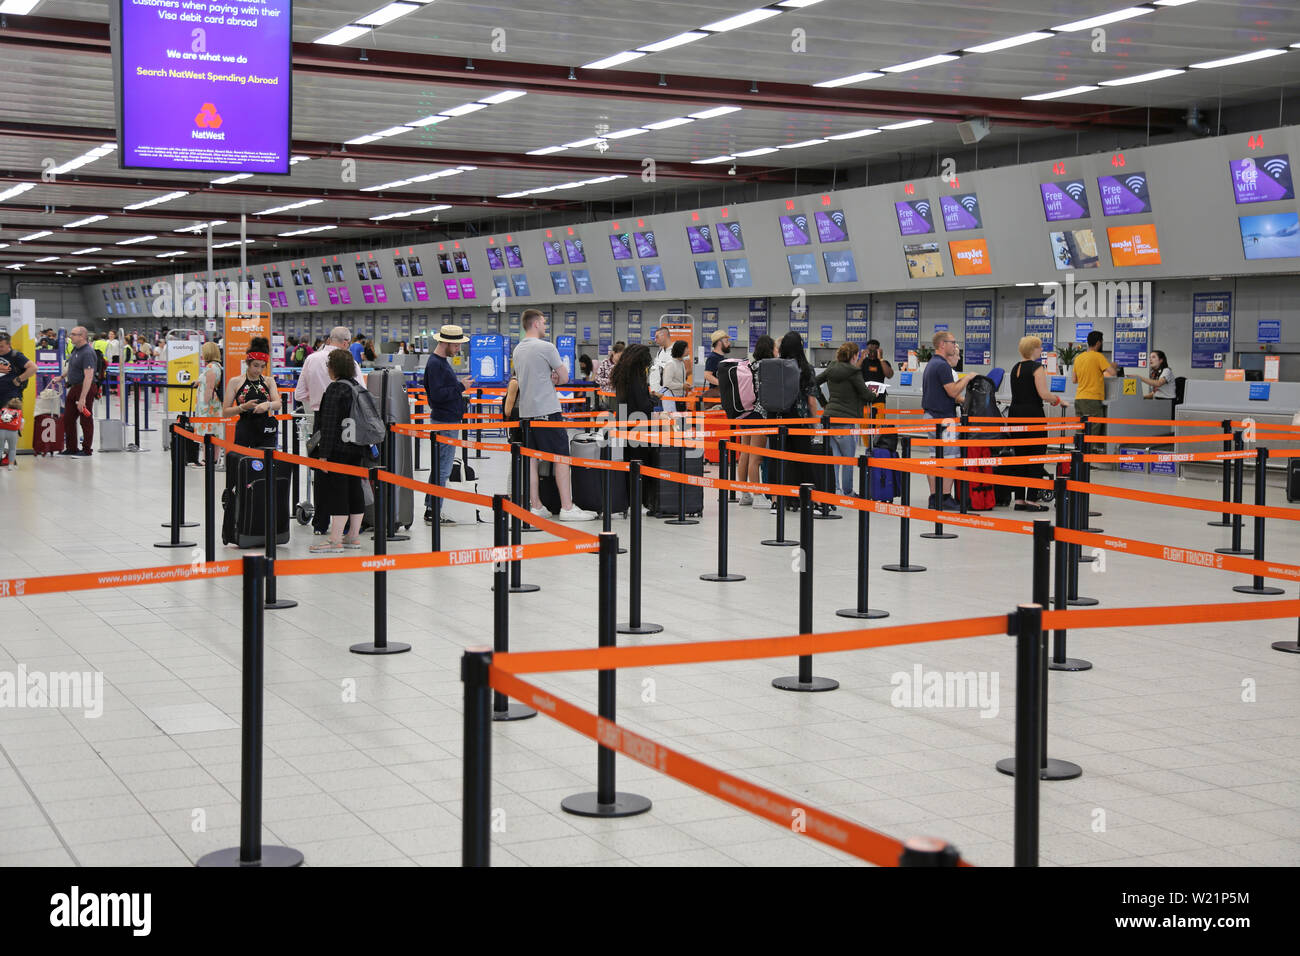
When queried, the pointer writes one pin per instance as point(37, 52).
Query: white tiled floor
point(1178, 769)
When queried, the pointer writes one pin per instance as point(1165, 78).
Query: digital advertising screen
point(730, 238)
point(416, 268)
point(400, 266)
point(306, 274)
point(226, 106)
point(627, 280)
point(794, 230)
point(924, 260)
point(832, 226)
point(970, 257)
point(653, 276)
point(1274, 236)
point(646, 248)
point(700, 238)
point(840, 266)
point(444, 265)
point(466, 288)
point(520, 282)
point(1261, 179)
point(560, 282)
point(514, 257)
point(296, 273)
point(1074, 249)
point(496, 259)
point(1135, 245)
point(803, 268)
point(620, 245)
point(582, 282)
point(501, 285)
point(362, 272)
point(573, 249)
point(1066, 199)
point(707, 274)
point(737, 273)
point(1124, 195)
point(461, 258)
point(408, 293)
point(452, 288)
point(554, 252)
point(375, 272)
point(914, 217)
point(961, 212)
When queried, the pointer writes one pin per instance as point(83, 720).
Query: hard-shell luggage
point(388, 386)
point(588, 483)
point(884, 481)
point(776, 386)
point(980, 400)
point(660, 497)
point(47, 437)
point(244, 523)
point(983, 497)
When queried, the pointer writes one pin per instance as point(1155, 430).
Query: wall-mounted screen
point(573, 249)
point(914, 217)
point(840, 266)
point(297, 276)
point(1261, 179)
point(501, 285)
point(408, 293)
point(520, 282)
point(627, 280)
point(375, 272)
point(1274, 236)
point(707, 274)
point(1065, 199)
point(794, 230)
point(416, 268)
point(496, 259)
point(961, 212)
point(444, 264)
point(653, 276)
point(803, 268)
point(970, 257)
point(362, 272)
point(1124, 195)
point(400, 266)
point(737, 270)
point(924, 260)
point(560, 282)
point(514, 257)
point(1135, 245)
point(646, 247)
point(467, 288)
point(700, 238)
point(306, 274)
point(554, 252)
point(452, 288)
point(1074, 249)
point(729, 236)
point(582, 282)
point(461, 258)
point(832, 226)
point(620, 245)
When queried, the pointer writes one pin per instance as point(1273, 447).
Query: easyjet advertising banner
point(970, 257)
point(1134, 245)
point(242, 328)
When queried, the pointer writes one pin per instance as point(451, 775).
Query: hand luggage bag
point(463, 478)
point(660, 497)
point(588, 483)
point(244, 524)
point(885, 484)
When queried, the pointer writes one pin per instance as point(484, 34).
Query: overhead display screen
point(707, 274)
point(620, 245)
point(225, 107)
point(961, 212)
point(840, 266)
point(1261, 179)
point(462, 260)
point(1074, 249)
point(520, 283)
point(1275, 236)
point(582, 282)
point(729, 236)
point(1066, 199)
point(645, 245)
point(1124, 195)
point(560, 282)
point(970, 257)
point(444, 265)
point(627, 280)
point(1135, 245)
point(924, 260)
point(914, 218)
point(514, 257)
point(794, 230)
point(573, 247)
point(554, 252)
point(654, 278)
point(803, 269)
point(832, 226)
point(495, 258)
point(700, 238)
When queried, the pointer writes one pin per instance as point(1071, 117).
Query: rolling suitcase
point(389, 388)
point(885, 485)
point(244, 524)
point(547, 489)
point(588, 483)
point(660, 497)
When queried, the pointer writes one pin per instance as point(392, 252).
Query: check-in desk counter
point(1214, 401)
point(900, 396)
point(1132, 404)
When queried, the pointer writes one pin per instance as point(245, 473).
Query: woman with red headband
point(253, 397)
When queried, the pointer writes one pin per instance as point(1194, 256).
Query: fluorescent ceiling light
point(615, 60)
point(802, 144)
point(1234, 60)
point(123, 262)
point(157, 200)
point(17, 265)
point(427, 121)
point(392, 131)
point(19, 7)
point(761, 151)
point(86, 268)
point(295, 205)
point(921, 64)
point(741, 20)
point(846, 80)
point(86, 251)
point(713, 159)
point(909, 124)
point(132, 242)
point(18, 190)
point(1128, 13)
point(84, 222)
point(504, 96)
point(1007, 44)
point(579, 143)
point(47, 258)
point(234, 242)
point(690, 36)
point(1021, 285)
point(1172, 3)
point(295, 160)
point(1143, 78)
point(381, 186)
point(231, 179)
point(1057, 94)
point(416, 212)
point(463, 109)
point(461, 169)
point(624, 133)
point(169, 255)
point(855, 134)
point(35, 235)
point(387, 14)
point(669, 123)
point(797, 4)
point(715, 112)
point(545, 151)
point(342, 35)
point(198, 227)
point(303, 232)
point(361, 140)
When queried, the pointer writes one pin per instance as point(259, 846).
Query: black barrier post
point(826, 512)
point(390, 465)
point(1061, 582)
point(478, 408)
point(1085, 474)
point(607, 493)
point(502, 709)
point(938, 532)
point(380, 644)
point(147, 403)
point(284, 422)
point(135, 389)
point(178, 492)
point(733, 458)
point(904, 555)
point(1026, 625)
point(178, 520)
point(209, 499)
point(724, 463)
point(517, 526)
point(964, 500)
point(634, 623)
point(681, 489)
point(476, 782)
point(524, 466)
point(251, 851)
point(778, 501)
point(805, 681)
point(928, 852)
point(863, 611)
point(1238, 480)
point(270, 520)
point(1225, 519)
point(1078, 518)
point(1257, 585)
point(606, 801)
point(297, 450)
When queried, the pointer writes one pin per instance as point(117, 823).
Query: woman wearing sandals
point(340, 496)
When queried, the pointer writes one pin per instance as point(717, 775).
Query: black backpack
point(980, 400)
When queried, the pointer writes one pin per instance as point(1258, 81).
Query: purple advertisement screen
point(345, 297)
point(914, 217)
point(645, 245)
point(514, 258)
point(452, 288)
point(961, 212)
point(467, 288)
point(311, 297)
point(554, 252)
point(794, 230)
point(1067, 199)
point(368, 294)
point(226, 108)
point(1262, 179)
point(700, 238)
point(1124, 195)
point(333, 293)
point(620, 244)
point(832, 226)
point(573, 248)
point(380, 294)
point(495, 259)
point(422, 292)
point(729, 237)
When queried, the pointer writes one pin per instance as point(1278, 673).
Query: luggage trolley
point(304, 510)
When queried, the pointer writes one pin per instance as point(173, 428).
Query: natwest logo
point(208, 117)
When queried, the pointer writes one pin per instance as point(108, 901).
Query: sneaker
point(951, 504)
point(428, 516)
point(577, 514)
point(760, 501)
point(746, 500)
point(1026, 506)
point(68, 454)
point(542, 512)
point(445, 520)
point(933, 503)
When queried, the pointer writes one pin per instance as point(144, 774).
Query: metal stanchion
point(780, 541)
point(964, 500)
point(522, 467)
point(607, 494)
point(1238, 480)
point(863, 611)
point(502, 709)
point(251, 851)
point(938, 533)
point(380, 644)
point(634, 623)
point(180, 475)
point(724, 463)
point(904, 545)
point(296, 443)
point(928, 852)
point(135, 390)
point(681, 490)
point(478, 407)
point(1026, 626)
point(270, 520)
point(517, 527)
point(805, 681)
point(1061, 583)
point(390, 523)
point(476, 782)
point(284, 422)
point(1078, 517)
point(1085, 474)
point(1225, 519)
point(824, 513)
point(1257, 585)
point(209, 499)
point(606, 801)
point(177, 492)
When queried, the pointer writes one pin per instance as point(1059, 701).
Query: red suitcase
point(47, 437)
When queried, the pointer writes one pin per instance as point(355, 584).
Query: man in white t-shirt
point(313, 379)
point(663, 340)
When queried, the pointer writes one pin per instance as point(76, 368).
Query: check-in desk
point(1206, 400)
point(1133, 404)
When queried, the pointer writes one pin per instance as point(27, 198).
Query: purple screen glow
point(794, 230)
point(914, 217)
point(1067, 199)
point(554, 252)
point(1124, 195)
point(961, 212)
point(452, 288)
point(729, 236)
point(573, 248)
point(700, 239)
point(620, 245)
point(646, 248)
point(832, 226)
point(1261, 179)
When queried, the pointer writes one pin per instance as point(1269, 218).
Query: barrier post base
point(271, 856)
point(1055, 769)
point(392, 647)
point(643, 628)
point(870, 614)
point(523, 588)
point(1070, 664)
point(1242, 552)
point(514, 712)
point(809, 687)
point(184, 524)
point(681, 521)
point(1219, 524)
point(589, 805)
point(1251, 589)
point(399, 537)
point(1085, 559)
point(1287, 647)
point(780, 543)
point(722, 577)
point(903, 567)
point(1081, 601)
point(280, 604)
point(936, 535)
point(177, 544)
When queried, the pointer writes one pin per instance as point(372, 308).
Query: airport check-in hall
point(639, 433)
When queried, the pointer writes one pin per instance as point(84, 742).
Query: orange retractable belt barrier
point(1178, 501)
point(466, 443)
point(700, 481)
point(1199, 559)
point(90, 580)
point(547, 525)
point(978, 521)
point(288, 567)
point(1155, 421)
point(598, 463)
point(1162, 616)
point(1155, 439)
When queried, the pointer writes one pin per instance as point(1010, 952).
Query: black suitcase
point(1293, 480)
point(660, 497)
point(588, 483)
point(243, 524)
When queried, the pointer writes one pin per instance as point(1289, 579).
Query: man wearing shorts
point(539, 369)
point(939, 395)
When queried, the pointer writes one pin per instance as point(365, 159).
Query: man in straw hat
point(445, 393)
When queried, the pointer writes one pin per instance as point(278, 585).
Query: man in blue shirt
point(940, 391)
point(445, 395)
point(358, 347)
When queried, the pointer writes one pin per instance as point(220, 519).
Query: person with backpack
point(298, 353)
point(806, 405)
point(749, 468)
point(209, 402)
point(445, 394)
point(340, 497)
point(848, 398)
point(1029, 389)
point(939, 397)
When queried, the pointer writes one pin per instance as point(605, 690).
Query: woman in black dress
point(1029, 389)
point(630, 382)
point(339, 496)
point(254, 398)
